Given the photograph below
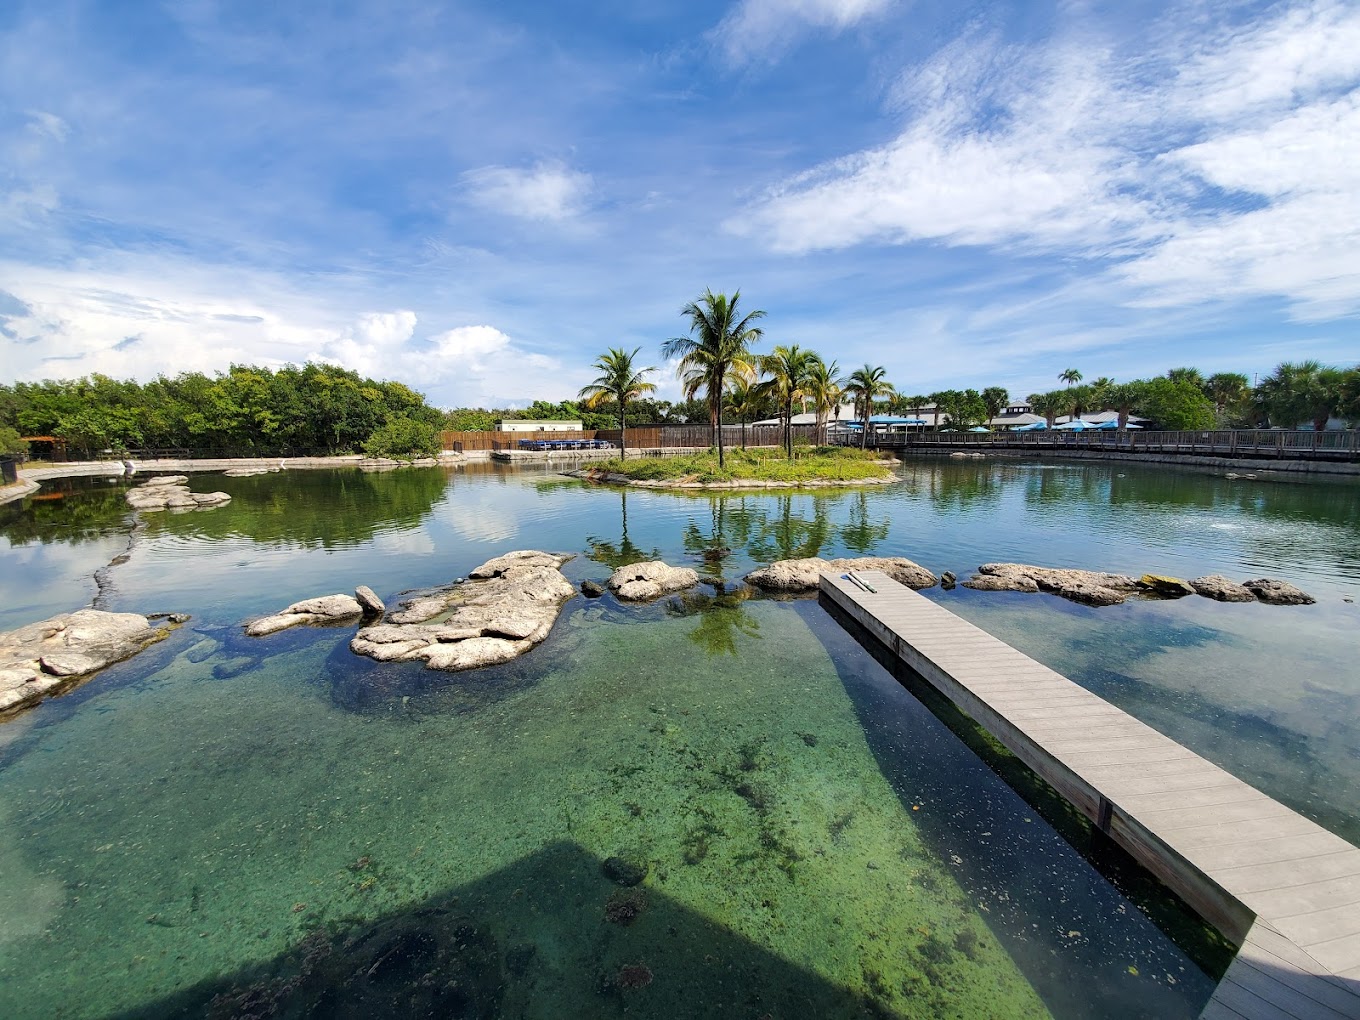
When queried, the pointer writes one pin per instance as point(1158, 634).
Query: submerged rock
point(1219, 588)
point(799, 576)
point(323, 610)
point(42, 656)
point(592, 589)
point(641, 582)
point(1278, 593)
point(508, 606)
point(171, 492)
point(1089, 587)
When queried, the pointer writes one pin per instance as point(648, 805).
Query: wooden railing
point(1340, 445)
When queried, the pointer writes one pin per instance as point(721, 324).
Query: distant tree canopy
point(246, 410)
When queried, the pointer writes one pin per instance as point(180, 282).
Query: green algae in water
point(210, 835)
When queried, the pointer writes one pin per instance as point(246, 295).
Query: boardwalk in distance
point(1283, 888)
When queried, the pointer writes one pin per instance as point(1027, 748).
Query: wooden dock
point(1283, 888)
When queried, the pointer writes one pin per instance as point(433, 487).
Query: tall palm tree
point(618, 380)
point(1050, 404)
point(720, 339)
point(823, 388)
point(1070, 376)
point(1191, 375)
point(789, 369)
point(745, 399)
point(1226, 389)
point(864, 386)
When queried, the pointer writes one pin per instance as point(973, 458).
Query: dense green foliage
point(248, 411)
point(10, 441)
point(402, 437)
point(808, 464)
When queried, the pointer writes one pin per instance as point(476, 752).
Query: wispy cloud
point(547, 192)
point(1234, 177)
point(763, 29)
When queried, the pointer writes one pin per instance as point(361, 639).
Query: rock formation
point(508, 605)
point(42, 656)
point(171, 492)
point(641, 582)
point(793, 577)
point(1089, 587)
point(1095, 588)
point(1278, 593)
point(318, 611)
point(1219, 588)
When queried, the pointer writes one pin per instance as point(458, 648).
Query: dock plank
point(1225, 847)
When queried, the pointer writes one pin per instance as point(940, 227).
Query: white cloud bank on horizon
point(141, 322)
point(1234, 176)
point(551, 191)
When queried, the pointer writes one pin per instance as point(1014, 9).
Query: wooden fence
point(643, 437)
point(1256, 443)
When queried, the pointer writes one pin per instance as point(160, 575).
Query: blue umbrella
point(979, 428)
point(1036, 426)
point(1075, 425)
point(1110, 426)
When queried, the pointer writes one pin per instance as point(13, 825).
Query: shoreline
point(29, 478)
point(613, 478)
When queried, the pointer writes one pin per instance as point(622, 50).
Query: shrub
point(400, 436)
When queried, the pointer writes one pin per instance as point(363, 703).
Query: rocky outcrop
point(795, 577)
point(1089, 587)
point(1219, 588)
point(1095, 588)
point(1278, 593)
point(642, 582)
point(324, 610)
point(38, 658)
point(171, 492)
point(368, 600)
point(508, 605)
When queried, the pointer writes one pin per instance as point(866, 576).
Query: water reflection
point(623, 552)
point(723, 620)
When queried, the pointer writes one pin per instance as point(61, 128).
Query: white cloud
point(764, 28)
point(550, 191)
point(1195, 185)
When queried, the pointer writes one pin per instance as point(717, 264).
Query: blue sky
point(480, 198)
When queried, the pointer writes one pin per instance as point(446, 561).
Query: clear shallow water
point(223, 813)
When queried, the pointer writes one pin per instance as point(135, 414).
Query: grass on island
point(822, 463)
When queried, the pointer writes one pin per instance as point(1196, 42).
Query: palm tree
point(1082, 398)
point(823, 388)
point(1070, 376)
point(1191, 375)
point(789, 370)
point(720, 339)
point(937, 398)
point(745, 399)
point(618, 380)
point(1124, 397)
point(996, 398)
point(1226, 389)
point(1301, 391)
point(864, 386)
point(1050, 404)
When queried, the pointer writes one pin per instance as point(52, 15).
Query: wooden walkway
point(1283, 888)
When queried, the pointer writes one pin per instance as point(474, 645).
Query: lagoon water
point(229, 827)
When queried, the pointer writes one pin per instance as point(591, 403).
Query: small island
point(746, 469)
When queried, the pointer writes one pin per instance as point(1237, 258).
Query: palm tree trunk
point(864, 427)
point(623, 432)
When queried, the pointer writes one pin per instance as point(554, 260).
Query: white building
point(537, 425)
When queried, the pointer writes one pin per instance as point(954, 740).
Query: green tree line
point(245, 411)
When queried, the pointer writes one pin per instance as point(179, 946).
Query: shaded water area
point(713, 806)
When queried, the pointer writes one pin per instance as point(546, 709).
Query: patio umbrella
point(1076, 425)
point(979, 428)
point(1110, 426)
point(1035, 426)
